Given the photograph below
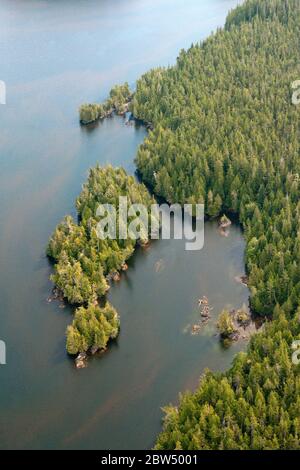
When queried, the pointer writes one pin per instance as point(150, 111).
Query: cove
point(111, 460)
point(54, 57)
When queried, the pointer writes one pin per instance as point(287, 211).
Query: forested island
point(226, 133)
point(84, 263)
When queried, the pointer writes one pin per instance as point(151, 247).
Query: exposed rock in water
point(81, 360)
point(242, 280)
point(205, 316)
point(203, 300)
point(223, 232)
point(205, 312)
point(56, 295)
point(116, 276)
point(124, 267)
point(93, 350)
point(224, 221)
point(195, 329)
point(204, 307)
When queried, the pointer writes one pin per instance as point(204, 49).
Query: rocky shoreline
point(241, 321)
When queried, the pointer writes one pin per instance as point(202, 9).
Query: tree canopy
point(118, 101)
point(83, 261)
point(92, 327)
point(226, 133)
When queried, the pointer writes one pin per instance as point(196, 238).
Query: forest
point(84, 263)
point(226, 133)
point(118, 102)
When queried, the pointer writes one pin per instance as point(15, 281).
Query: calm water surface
point(54, 56)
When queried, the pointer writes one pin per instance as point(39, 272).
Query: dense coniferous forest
point(84, 262)
point(225, 132)
point(93, 326)
point(118, 102)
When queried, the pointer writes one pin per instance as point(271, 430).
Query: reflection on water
point(54, 56)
